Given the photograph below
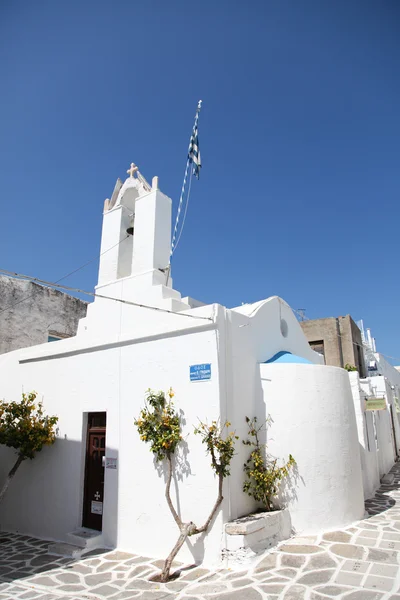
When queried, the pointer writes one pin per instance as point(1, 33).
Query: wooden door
point(94, 471)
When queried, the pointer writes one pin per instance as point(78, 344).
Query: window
point(55, 336)
point(318, 346)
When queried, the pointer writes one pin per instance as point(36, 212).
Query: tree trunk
point(10, 476)
point(186, 530)
point(215, 507)
point(168, 496)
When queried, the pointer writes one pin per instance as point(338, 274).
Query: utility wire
point(10, 306)
point(94, 295)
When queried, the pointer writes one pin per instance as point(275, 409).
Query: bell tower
point(136, 244)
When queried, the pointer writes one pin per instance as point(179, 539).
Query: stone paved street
point(361, 562)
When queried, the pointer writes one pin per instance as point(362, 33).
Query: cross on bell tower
point(132, 169)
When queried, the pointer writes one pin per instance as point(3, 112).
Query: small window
point(318, 347)
point(55, 336)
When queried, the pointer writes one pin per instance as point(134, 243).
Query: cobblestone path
point(361, 562)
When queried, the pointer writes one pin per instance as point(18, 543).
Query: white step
point(85, 538)
point(67, 550)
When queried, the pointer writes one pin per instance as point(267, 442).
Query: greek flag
point(194, 153)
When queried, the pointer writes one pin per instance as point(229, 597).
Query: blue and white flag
point(194, 153)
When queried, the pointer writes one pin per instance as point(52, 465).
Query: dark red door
point(94, 471)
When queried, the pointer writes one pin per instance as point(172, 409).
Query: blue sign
point(200, 372)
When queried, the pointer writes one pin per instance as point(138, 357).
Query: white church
point(253, 360)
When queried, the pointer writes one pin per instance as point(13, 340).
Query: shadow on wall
point(46, 497)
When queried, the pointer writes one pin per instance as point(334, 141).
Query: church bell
point(130, 229)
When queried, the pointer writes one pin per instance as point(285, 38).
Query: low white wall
point(382, 422)
point(314, 420)
point(366, 437)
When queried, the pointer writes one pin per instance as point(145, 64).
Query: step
point(388, 478)
point(85, 538)
point(67, 550)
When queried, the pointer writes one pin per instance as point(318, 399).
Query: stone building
point(338, 339)
point(32, 314)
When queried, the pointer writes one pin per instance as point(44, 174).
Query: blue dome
point(288, 357)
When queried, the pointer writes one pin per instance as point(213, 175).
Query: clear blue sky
point(299, 133)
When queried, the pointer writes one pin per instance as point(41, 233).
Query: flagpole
point(173, 243)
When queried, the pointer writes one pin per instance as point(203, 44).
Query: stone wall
point(341, 338)
point(30, 312)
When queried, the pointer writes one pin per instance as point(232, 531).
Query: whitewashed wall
point(314, 420)
point(379, 387)
point(46, 496)
point(109, 367)
point(366, 436)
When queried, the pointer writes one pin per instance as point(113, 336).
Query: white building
point(258, 363)
point(377, 413)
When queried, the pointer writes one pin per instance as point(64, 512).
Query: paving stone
point(72, 587)
point(331, 590)
point(362, 541)
point(274, 588)
point(363, 595)
point(355, 566)
point(45, 559)
point(289, 573)
point(105, 590)
point(106, 566)
point(315, 577)
point(267, 563)
point(241, 582)
point(45, 581)
point(375, 555)
point(137, 560)
point(337, 536)
point(118, 556)
point(194, 573)
point(321, 561)
point(384, 584)
point(250, 594)
point(157, 596)
point(68, 578)
point(209, 588)
point(176, 586)
point(261, 577)
point(372, 533)
point(83, 569)
point(97, 578)
point(384, 570)
point(140, 570)
point(288, 560)
point(295, 592)
point(348, 550)
point(143, 584)
point(160, 563)
point(235, 575)
point(349, 578)
point(300, 549)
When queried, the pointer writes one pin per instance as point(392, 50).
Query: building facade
point(338, 339)
point(32, 314)
point(139, 333)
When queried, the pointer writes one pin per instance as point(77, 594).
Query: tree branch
point(186, 530)
point(11, 475)
point(168, 496)
point(215, 507)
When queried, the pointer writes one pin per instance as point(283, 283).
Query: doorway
point(94, 471)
